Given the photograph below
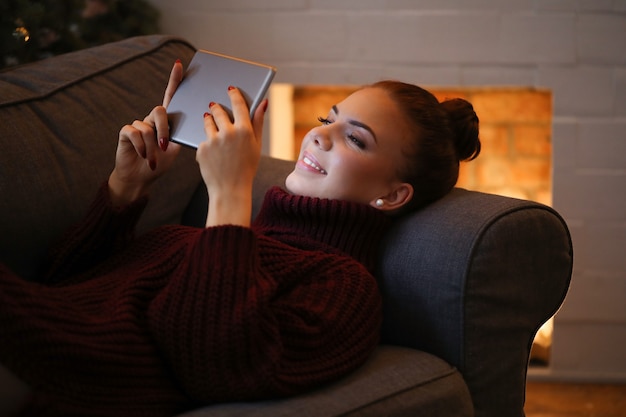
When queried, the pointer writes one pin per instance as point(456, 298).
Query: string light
point(21, 34)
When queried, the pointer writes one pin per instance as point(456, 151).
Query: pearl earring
point(380, 202)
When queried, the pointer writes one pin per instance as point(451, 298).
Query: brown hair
point(444, 134)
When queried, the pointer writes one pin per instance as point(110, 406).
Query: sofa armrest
point(471, 278)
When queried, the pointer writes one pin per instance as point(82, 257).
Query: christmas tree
point(32, 30)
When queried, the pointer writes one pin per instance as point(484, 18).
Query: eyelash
point(323, 120)
point(352, 138)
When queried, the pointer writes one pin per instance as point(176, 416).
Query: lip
point(309, 163)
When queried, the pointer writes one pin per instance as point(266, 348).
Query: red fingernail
point(178, 61)
point(211, 104)
point(206, 114)
point(230, 87)
point(163, 144)
point(265, 103)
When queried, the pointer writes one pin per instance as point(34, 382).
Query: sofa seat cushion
point(387, 384)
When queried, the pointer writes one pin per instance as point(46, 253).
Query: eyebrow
point(357, 123)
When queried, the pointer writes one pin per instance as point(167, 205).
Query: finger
point(131, 134)
point(210, 129)
point(176, 76)
point(240, 108)
point(258, 119)
point(161, 125)
point(220, 116)
point(147, 137)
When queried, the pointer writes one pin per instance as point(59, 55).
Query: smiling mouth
point(313, 165)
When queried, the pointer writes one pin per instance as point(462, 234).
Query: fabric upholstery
point(471, 279)
point(396, 381)
point(468, 279)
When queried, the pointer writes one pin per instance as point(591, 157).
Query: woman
point(182, 317)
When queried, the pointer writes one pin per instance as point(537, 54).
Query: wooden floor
point(545, 399)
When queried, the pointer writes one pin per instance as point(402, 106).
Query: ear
point(401, 195)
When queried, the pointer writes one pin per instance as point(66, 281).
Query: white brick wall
point(575, 48)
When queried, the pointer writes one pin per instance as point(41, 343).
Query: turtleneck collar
point(352, 228)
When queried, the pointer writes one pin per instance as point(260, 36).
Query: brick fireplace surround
point(573, 49)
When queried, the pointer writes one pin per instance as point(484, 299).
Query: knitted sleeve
point(104, 230)
point(230, 331)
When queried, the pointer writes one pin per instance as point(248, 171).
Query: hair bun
point(464, 124)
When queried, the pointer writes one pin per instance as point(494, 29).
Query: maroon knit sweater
point(183, 316)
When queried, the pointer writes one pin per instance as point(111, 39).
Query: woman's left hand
point(144, 152)
point(229, 159)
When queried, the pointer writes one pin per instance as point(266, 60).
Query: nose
point(322, 139)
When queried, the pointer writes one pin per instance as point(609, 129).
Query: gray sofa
point(466, 282)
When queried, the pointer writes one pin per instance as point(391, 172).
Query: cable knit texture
point(183, 316)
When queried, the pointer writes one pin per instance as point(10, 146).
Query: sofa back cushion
point(59, 124)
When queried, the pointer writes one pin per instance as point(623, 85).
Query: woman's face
point(355, 153)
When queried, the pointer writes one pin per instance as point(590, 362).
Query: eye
point(351, 137)
point(323, 120)
point(356, 141)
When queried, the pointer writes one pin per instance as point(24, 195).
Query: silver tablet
point(207, 79)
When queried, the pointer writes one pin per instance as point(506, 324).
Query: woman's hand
point(143, 150)
point(229, 159)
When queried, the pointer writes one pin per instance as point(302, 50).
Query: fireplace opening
point(515, 132)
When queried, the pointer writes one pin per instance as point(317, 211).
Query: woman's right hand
point(229, 158)
point(144, 152)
